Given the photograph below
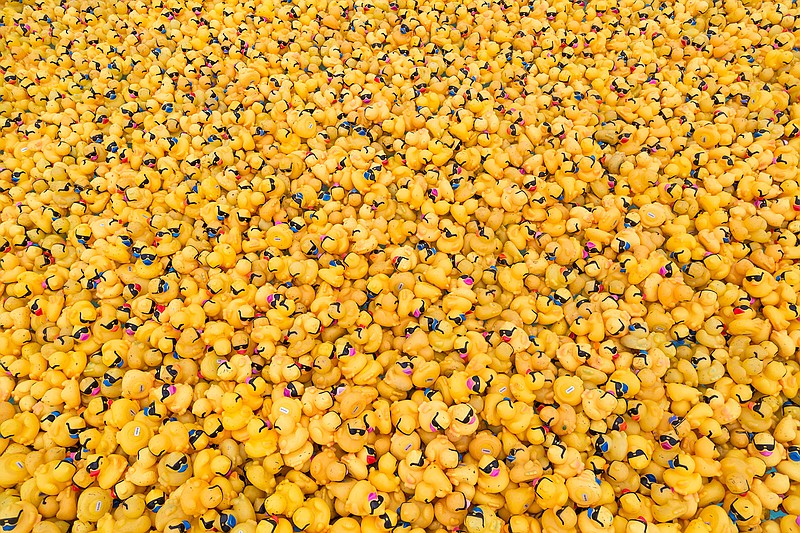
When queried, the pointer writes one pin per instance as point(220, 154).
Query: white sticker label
point(486, 451)
point(137, 431)
point(20, 465)
point(502, 390)
point(570, 389)
point(284, 410)
point(98, 506)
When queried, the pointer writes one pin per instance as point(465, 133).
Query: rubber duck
point(313, 515)
point(681, 477)
point(18, 515)
point(551, 492)
point(480, 519)
point(712, 517)
point(595, 519)
point(743, 509)
point(93, 504)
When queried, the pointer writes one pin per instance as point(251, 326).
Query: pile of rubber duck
point(408, 266)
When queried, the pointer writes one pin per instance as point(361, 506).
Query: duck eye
point(154, 505)
point(227, 521)
point(91, 386)
point(194, 435)
point(735, 515)
point(9, 524)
